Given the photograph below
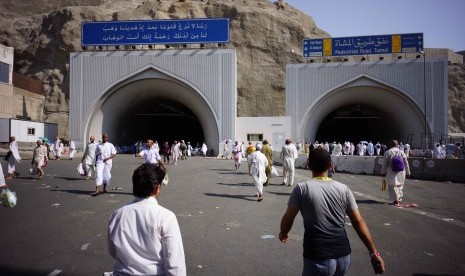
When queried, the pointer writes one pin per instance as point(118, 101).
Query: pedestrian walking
point(39, 159)
point(88, 158)
point(288, 159)
point(166, 153)
point(143, 237)
point(258, 163)
point(268, 152)
point(395, 169)
point(104, 154)
point(13, 158)
point(324, 203)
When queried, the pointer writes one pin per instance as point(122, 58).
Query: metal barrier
point(420, 168)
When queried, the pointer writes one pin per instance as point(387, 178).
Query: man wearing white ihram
point(258, 163)
point(395, 178)
point(57, 148)
point(88, 159)
point(104, 153)
point(288, 158)
point(13, 158)
point(72, 149)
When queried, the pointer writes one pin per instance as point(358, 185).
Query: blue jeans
point(326, 267)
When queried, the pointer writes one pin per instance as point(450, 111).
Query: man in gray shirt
point(324, 203)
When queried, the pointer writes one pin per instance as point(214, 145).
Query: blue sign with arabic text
point(363, 45)
point(178, 31)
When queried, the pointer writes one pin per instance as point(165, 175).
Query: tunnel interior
point(159, 119)
point(357, 122)
point(160, 109)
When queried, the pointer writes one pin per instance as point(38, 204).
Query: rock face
point(44, 32)
point(457, 98)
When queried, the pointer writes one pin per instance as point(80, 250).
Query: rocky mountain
point(457, 98)
point(44, 32)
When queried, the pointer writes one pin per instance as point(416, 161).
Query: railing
point(28, 84)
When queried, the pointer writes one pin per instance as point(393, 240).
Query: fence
point(28, 84)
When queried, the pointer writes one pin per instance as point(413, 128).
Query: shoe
point(260, 198)
point(9, 177)
point(282, 184)
point(16, 174)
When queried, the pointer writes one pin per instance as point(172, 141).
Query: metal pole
point(424, 99)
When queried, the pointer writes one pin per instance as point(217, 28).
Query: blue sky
point(441, 21)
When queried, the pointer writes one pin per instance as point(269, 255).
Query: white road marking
point(55, 272)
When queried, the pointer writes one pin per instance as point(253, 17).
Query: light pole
point(424, 97)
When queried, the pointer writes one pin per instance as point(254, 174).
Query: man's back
point(268, 152)
point(140, 235)
point(323, 204)
point(288, 151)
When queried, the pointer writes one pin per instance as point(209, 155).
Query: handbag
point(274, 172)
point(383, 184)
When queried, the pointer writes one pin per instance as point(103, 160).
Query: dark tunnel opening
point(161, 120)
point(357, 123)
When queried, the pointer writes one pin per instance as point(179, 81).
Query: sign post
point(363, 45)
point(148, 32)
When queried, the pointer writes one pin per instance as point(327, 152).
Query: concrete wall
point(209, 76)
point(275, 129)
point(314, 90)
point(448, 54)
point(19, 103)
point(27, 105)
point(421, 168)
point(6, 98)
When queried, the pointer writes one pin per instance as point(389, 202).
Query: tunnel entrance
point(160, 119)
point(356, 123)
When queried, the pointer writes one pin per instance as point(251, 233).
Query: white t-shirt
point(144, 239)
point(104, 150)
point(151, 155)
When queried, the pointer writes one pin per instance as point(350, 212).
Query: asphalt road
point(57, 228)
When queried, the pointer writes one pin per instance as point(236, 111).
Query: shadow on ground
point(244, 197)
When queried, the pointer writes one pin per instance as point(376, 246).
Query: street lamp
point(424, 96)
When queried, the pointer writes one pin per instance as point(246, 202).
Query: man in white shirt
point(258, 163)
point(407, 150)
point(57, 148)
point(13, 158)
point(72, 149)
point(88, 159)
point(175, 150)
point(143, 237)
point(104, 154)
point(150, 153)
point(360, 149)
point(395, 178)
point(288, 159)
point(370, 149)
point(39, 158)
